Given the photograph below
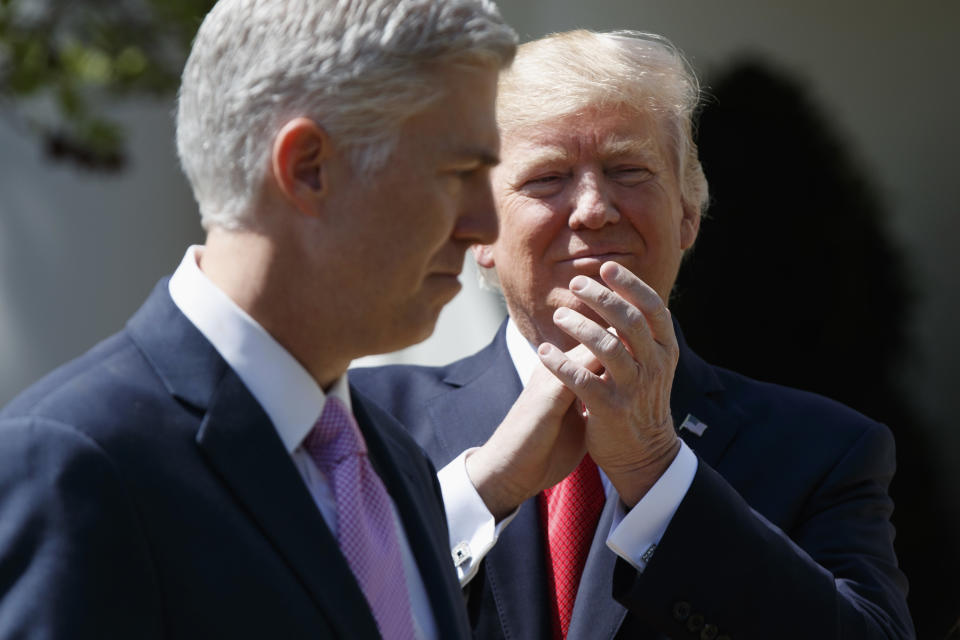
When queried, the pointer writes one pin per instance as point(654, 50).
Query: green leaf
point(130, 63)
point(89, 65)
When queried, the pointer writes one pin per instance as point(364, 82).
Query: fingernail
point(579, 283)
point(545, 349)
point(613, 268)
point(561, 313)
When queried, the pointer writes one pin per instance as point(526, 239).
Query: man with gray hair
point(208, 472)
point(658, 496)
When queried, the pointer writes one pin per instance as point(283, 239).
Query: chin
point(414, 331)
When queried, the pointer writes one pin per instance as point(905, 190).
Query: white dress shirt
point(289, 395)
point(633, 534)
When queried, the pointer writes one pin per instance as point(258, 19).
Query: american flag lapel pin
point(693, 425)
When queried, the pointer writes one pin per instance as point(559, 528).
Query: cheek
point(657, 217)
point(531, 228)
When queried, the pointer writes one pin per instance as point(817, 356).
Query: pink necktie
point(366, 532)
point(570, 511)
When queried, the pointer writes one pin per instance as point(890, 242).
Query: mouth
point(594, 260)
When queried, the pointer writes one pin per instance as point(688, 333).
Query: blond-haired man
point(708, 505)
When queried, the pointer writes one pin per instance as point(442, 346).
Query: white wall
point(79, 251)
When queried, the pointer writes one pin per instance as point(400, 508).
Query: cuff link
point(461, 554)
point(645, 558)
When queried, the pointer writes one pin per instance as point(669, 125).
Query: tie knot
point(335, 436)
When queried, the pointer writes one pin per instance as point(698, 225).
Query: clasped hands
point(609, 396)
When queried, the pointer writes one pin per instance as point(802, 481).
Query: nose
point(592, 206)
point(477, 223)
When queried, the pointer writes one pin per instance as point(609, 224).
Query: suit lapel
point(698, 392)
point(596, 615)
point(420, 511)
point(482, 390)
point(244, 450)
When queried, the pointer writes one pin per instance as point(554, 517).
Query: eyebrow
point(543, 156)
point(621, 147)
point(483, 155)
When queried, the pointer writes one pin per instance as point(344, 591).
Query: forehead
point(604, 133)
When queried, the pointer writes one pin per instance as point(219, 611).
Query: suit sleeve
point(723, 569)
point(74, 562)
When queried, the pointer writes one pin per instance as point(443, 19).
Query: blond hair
point(567, 73)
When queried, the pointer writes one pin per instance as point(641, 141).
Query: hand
point(539, 442)
point(629, 429)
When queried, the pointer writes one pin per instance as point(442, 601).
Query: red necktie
point(570, 511)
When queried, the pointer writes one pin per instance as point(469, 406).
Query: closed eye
point(630, 176)
point(542, 186)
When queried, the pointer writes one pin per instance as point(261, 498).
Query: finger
point(581, 381)
point(627, 320)
point(607, 347)
point(582, 356)
point(545, 384)
point(643, 297)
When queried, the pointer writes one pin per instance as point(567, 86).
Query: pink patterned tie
point(570, 511)
point(366, 531)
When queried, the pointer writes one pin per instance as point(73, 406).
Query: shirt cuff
point(634, 535)
point(473, 530)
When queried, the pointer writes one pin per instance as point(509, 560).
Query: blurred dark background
point(796, 279)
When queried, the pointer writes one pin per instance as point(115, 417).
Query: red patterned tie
point(365, 525)
point(570, 511)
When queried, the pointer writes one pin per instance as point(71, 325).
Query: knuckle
point(674, 351)
point(659, 312)
point(636, 319)
point(579, 325)
point(608, 345)
point(581, 377)
point(605, 297)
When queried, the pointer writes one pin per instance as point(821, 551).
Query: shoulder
point(104, 396)
point(368, 410)
point(72, 539)
point(59, 384)
point(805, 444)
point(772, 421)
point(404, 390)
point(815, 415)
point(43, 458)
point(394, 385)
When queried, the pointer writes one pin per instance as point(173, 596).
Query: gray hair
point(359, 68)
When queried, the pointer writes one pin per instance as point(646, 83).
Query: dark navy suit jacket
point(784, 533)
point(144, 493)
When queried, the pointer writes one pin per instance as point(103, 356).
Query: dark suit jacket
point(144, 493)
point(784, 533)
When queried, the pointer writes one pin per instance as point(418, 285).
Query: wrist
point(633, 479)
point(492, 482)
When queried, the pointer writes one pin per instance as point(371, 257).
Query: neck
point(262, 280)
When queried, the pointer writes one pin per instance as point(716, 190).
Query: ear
point(483, 254)
point(297, 158)
point(689, 226)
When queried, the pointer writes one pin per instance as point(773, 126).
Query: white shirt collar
point(288, 394)
point(522, 353)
